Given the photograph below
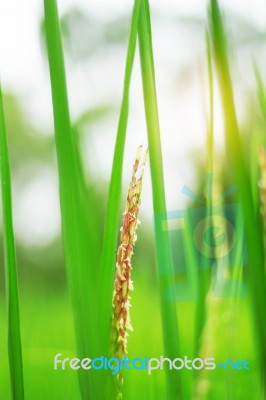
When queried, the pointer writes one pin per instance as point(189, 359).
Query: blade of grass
point(168, 309)
point(259, 142)
point(110, 240)
point(240, 173)
point(205, 275)
point(80, 257)
point(14, 338)
point(210, 133)
point(261, 91)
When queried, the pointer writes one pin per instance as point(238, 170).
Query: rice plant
point(187, 302)
point(14, 337)
point(75, 224)
point(168, 311)
point(121, 324)
point(241, 174)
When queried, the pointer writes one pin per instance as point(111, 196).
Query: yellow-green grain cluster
point(123, 283)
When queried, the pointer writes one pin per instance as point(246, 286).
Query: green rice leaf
point(241, 175)
point(113, 213)
point(78, 233)
point(14, 338)
point(168, 309)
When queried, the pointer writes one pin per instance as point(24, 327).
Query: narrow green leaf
point(210, 133)
point(110, 240)
point(205, 275)
point(168, 309)
point(261, 91)
point(14, 339)
point(81, 260)
point(241, 175)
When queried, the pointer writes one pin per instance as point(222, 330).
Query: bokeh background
point(95, 40)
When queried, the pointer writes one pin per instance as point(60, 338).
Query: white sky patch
point(37, 214)
point(24, 70)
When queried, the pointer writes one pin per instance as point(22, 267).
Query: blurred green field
point(66, 282)
point(47, 329)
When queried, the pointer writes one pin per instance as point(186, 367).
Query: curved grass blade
point(14, 338)
point(261, 91)
point(110, 240)
point(81, 259)
point(168, 309)
point(238, 167)
point(205, 275)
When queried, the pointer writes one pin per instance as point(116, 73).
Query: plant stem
point(79, 252)
point(14, 338)
point(110, 240)
point(205, 275)
point(240, 172)
point(168, 310)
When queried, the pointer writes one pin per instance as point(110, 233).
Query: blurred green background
point(95, 39)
